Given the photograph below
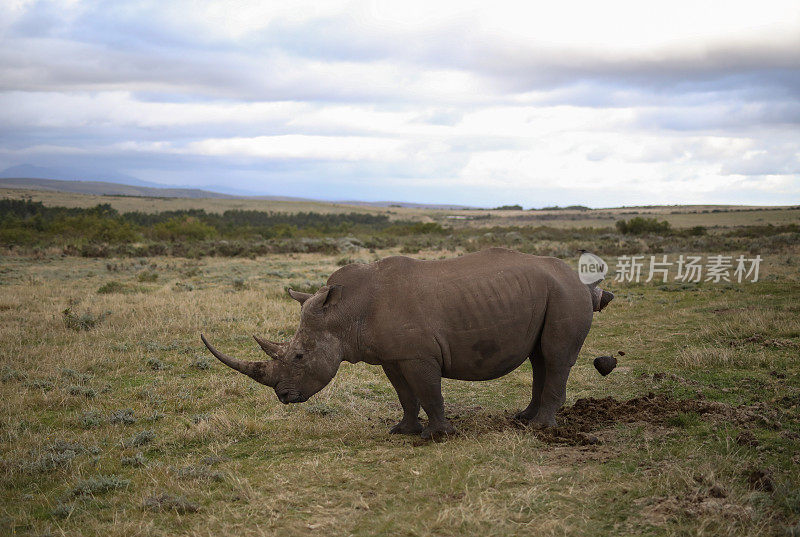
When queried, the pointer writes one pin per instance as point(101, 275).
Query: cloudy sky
point(481, 103)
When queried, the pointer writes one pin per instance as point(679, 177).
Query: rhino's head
point(306, 364)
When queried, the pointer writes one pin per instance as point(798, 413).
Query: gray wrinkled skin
point(475, 317)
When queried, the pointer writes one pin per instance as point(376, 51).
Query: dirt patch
point(789, 401)
point(659, 511)
point(746, 438)
point(761, 339)
point(760, 479)
point(581, 423)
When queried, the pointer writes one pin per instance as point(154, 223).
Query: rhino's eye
point(298, 356)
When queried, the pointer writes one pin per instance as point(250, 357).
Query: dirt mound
point(581, 423)
point(578, 422)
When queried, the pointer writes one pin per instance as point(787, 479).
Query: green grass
point(172, 442)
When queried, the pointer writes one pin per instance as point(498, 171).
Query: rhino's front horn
point(300, 297)
point(263, 372)
point(275, 350)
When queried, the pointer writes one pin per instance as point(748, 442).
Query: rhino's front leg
point(425, 379)
point(410, 423)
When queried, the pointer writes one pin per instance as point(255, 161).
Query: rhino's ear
point(332, 294)
point(300, 297)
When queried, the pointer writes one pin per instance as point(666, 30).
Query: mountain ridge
point(106, 188)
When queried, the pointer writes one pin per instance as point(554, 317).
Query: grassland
point(115, 421)
point(678, 216)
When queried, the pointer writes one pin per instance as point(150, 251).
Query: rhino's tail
point(600, 298)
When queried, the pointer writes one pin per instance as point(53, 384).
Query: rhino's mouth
point(291, 396)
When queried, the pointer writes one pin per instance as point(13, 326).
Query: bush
point(98, 485)
point(415, 228)
point(138, 440)
point(202, 363)
point(170, 502)
point(155, 364)
point(135, 461)
point(124, 416)
point(91, 419)
point(85, 391)
point(187, 228)
point(640, 226)
point(113, 287)
point(696, 231)
point(147, 276)
point(86, 321)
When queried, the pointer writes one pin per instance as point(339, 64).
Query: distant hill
point(408, 205)
point(40, 172)
point(8, 179)
point(108, 189)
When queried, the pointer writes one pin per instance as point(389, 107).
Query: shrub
point(91, 419)
point(10, 374)
point(136, 460)
point(140, 439)
point(56, 455)
point(62, 510)
point(640, 226)
point(82, 378)
point(85, 321)
point(239, 284)
point(147, 276)
point(113, 287)
point(170, 502)
point(85, 391)
point(186, 228)
point(202, 363)
point(696, 231)
point(124, 416)
point(155, 364)
point(98, 485)
point(40, 384)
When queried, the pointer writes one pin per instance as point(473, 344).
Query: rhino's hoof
point(522, 417)
point(406, 428)
point(438, 433)
point(544, 421)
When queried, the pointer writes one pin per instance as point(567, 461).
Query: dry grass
point(169, 446)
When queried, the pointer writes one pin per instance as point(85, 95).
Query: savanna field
point(115, 420)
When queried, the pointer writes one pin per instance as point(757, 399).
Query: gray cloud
point(424, 85)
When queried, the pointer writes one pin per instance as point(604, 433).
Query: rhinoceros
point(474, 317)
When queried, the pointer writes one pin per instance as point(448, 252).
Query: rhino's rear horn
point(270, 347)
point(263, 372)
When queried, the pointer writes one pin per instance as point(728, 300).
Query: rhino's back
point(481, 313)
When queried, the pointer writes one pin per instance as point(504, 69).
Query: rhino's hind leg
point(425, 379)
point(539, 374)
point(560, 342)
point(410, 423)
